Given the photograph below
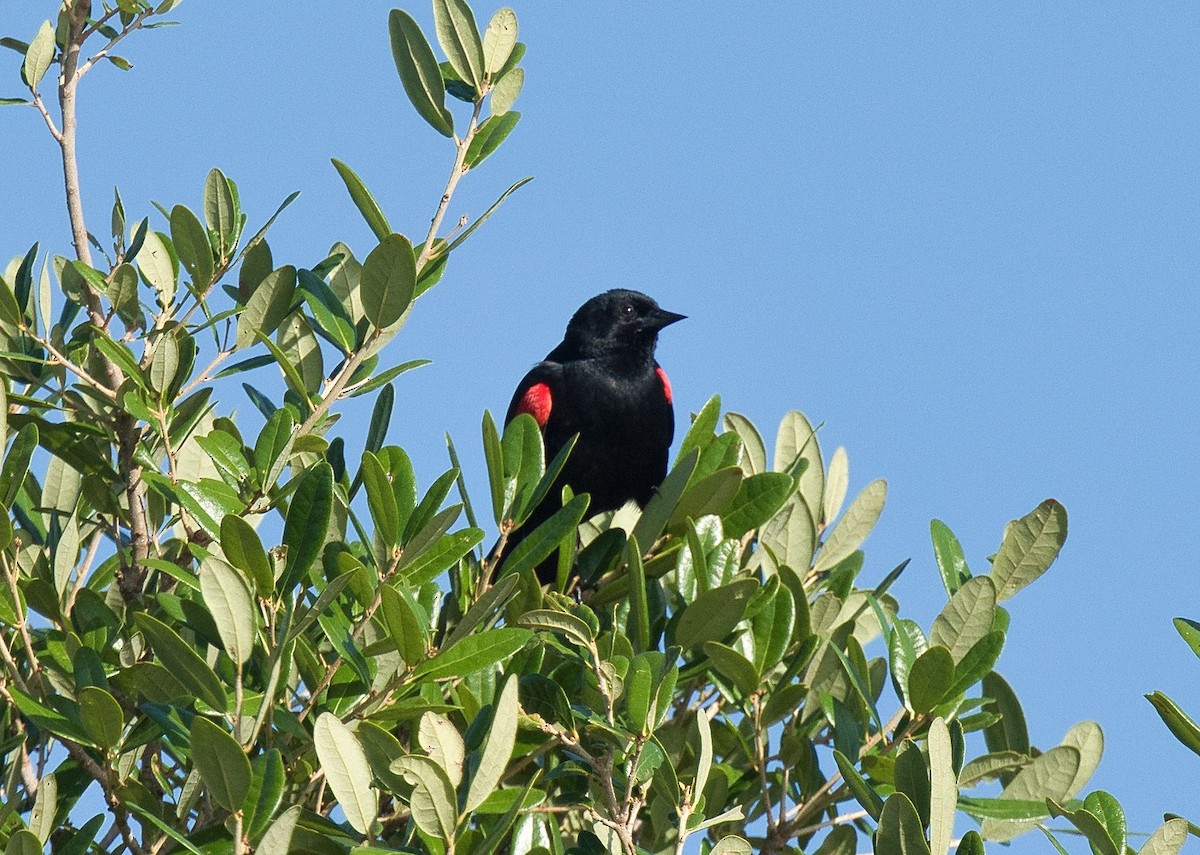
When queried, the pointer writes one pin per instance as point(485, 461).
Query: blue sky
point(964, 237)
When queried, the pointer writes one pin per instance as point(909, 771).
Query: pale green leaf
point(499, 39)
point(443, 743)
point(852, 529)
point(346, 770)
point(498, 748)
point(39, 55)
point(967, 618)
point(1029, 548)
point(227, 594)
point(943, 797)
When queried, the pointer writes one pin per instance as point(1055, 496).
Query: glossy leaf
point(758, 499)
point(101, 715)
point(952, 564)
point(221, 211)
point(1181, 725)
point(733, 666)
point(191, 242)
point(714, 613)
point(474, 653)
point(307, 523)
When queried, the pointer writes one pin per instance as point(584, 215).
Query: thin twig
point(456, 173)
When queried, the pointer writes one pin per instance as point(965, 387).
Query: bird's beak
point(659, 319)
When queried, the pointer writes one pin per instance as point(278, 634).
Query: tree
point(250, 643)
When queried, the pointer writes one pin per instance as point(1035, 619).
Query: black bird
point(602, 383)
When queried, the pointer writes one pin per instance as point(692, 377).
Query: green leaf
point(1168, 839)
point(432, 800)
point(758, 499)
point(267, 786)
point(952, 564)
point(1011, 732)
point(548, 620)
point(244, 551)
point(403, 625)
point(714, 613)
point(976, 663)
point(221, 211)
point(662, 504)
point(331, 316)
point(967, 618)
point(733, 666)
point(443, 743)
point(45, 806)
point(971, 844)
point(1049, 776)
point(1177, 721)
point(307, 525)
point(459, 37)
point(101, 715)
point(267, 306)
point(222, 763)
point(381, 500)
point(1088, 738)
point(497, 748)
point(364, 201)
point(229, 600)
point(274, 446)
point(498, 40)
point(837, 481)
point(798, 452)
point(900, 831)
point(346, 770)
point(39, 55)
point(1029, 548)
point(943, 788)
point(1112, 818)
point(178, 657)
point(930, 678)
point(419, 74)
point(506, 91)
point(854, 526)
point(156, 261)
point(191, 242)
point(489, 136)
point(547, 537)
point(732, 845)
point(474, 653)
point(389, 276)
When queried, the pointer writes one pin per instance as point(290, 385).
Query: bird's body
point(603, 384)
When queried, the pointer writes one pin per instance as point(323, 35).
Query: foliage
point(244, 641)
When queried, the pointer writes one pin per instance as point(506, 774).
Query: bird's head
point(618, 322)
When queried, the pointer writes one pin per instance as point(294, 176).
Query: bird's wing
point(666, 384)
point(535, 394)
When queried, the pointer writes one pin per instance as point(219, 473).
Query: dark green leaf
point(183, 662)
point(492, 132)
point(389, 276)
point(364, 201)
point(459, 37)
point(307, 525)
point(222, 763)
point(474, 653)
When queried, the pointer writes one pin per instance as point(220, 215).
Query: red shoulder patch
point(537, 401)
point(662, 375)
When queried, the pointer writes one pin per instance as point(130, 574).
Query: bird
point(602, 384)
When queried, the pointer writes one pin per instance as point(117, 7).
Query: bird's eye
point(627, 310)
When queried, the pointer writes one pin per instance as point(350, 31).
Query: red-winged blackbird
point(602, 383)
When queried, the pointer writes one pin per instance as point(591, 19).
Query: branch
point(456, 173)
